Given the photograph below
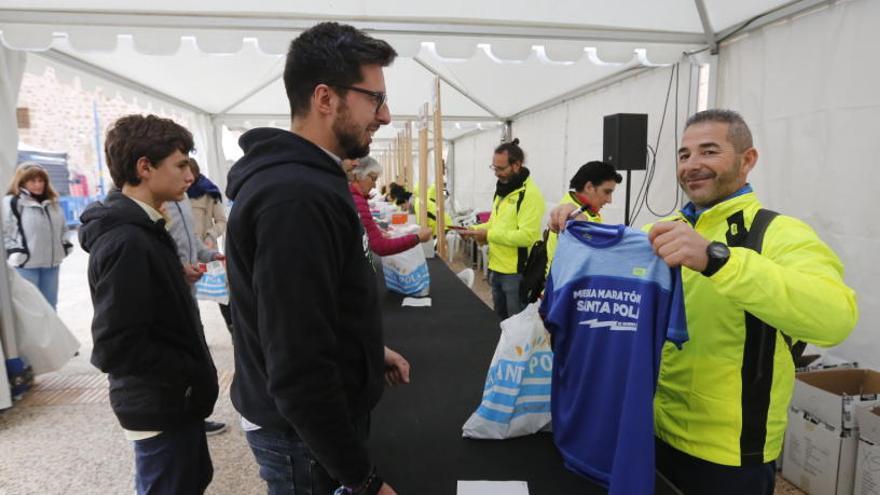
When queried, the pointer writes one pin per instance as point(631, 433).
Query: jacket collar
point(725, 209)
point(692, 213)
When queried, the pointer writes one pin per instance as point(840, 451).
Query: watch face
point(719, 250)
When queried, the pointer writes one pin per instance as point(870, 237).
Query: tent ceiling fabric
point(228, 60)
point(668, 15)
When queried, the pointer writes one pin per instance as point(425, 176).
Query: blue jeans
point(505, 293)
point(175, 461)
point(45, 279)
point(287, 465)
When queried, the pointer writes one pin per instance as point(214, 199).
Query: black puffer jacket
point(146, 327)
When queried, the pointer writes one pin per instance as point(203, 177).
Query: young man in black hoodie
point(146, 332)
point(309, 355)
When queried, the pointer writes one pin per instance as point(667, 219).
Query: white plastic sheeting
point(11, 71)
point(809, 90)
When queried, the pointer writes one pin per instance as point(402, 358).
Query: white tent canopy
point(497, 59)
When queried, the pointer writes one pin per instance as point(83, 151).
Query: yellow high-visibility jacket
point(553, 237)
point(432, 208)
point(514, 225)
point(703, 406)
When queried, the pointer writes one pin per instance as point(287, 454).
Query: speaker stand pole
point(626, 207)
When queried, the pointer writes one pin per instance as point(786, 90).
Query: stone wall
point(62, 119)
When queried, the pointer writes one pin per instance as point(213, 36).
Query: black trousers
point(694, 476)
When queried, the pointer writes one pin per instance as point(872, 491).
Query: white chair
point(452, 243)
point(484, 258)
point(467, 276)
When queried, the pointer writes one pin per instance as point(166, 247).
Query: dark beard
point(348, 137)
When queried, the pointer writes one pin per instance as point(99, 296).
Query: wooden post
point(408, 162)
point(438, 171)
point(423, 166)
point(401, 179)
point(386, 173)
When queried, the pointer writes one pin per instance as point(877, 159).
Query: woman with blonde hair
point(34, 228)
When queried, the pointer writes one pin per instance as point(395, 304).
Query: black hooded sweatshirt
point(308, 327)
point(146, 327)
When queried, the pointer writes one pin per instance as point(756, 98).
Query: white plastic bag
point(213, 285)
point(407, 273)
point(44, 341)
point(516, 396)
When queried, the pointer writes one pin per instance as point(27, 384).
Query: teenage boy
point(163, 383)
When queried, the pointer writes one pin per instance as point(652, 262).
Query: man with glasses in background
point(309, 355)
point(513, 227)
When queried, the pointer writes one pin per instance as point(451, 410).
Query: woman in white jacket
point(34, 228)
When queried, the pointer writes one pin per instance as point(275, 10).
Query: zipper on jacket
point(45, 209)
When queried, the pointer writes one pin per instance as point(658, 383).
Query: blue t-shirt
point(609, 304)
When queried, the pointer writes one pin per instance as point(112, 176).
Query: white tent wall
point(208, 151)
point(645, 93)
point(473, 183)
point(557, 141)
point(808, 89)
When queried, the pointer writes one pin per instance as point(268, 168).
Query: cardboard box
point(819, 458)
point(832, 395)
point(867, 477)
point(817, 363)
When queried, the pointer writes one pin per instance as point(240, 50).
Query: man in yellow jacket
point(590, 189)
point(513, 227)
point(721, 401)
point(432, 208)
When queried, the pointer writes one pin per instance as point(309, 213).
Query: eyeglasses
point(380, 96)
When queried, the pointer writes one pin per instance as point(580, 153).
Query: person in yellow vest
point(432, 208)
point(590, 189)
point(513, 227)
point(721, 401)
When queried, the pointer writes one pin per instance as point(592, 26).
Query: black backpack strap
point(755, 235)
point(522, 254)
point(13, 205)
point(759, 349)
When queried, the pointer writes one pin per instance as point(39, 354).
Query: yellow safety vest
point(432, 209)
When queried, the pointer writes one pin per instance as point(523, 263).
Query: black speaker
point(626, 141)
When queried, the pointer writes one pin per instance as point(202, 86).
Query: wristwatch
point(370, 486)
point(718, 253)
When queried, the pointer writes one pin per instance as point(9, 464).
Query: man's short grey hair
point(738, 132)
point(366, 166)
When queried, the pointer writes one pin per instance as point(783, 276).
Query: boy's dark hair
point(514, 152)
point(332, 54)
point(595, 173)
point(738, 131)
point(135, 136)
